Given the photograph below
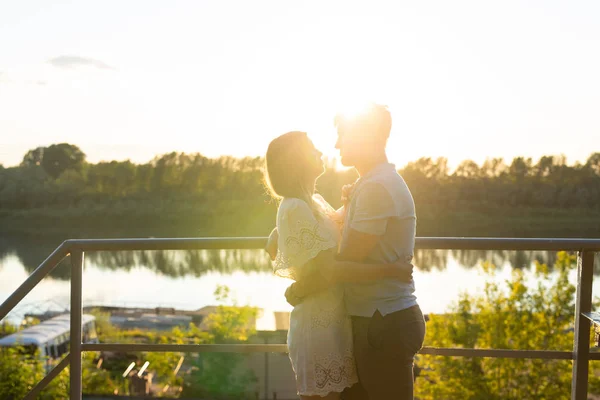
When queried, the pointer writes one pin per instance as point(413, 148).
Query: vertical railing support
point(76, 311)
point(581, 346)
point(266, 370)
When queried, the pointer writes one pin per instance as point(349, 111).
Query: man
point(379, 227)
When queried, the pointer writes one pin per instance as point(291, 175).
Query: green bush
point(509, 316)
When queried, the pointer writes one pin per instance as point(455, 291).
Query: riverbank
point(256, 218)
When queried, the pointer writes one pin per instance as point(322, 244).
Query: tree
point(59, 157)
point(593, 163)
point(20, 371)
point(511, 317)
point(221, 375)
point(6, 329)
point(33, 157)
point(468, 169)
point(493, 167)
point(520, 167)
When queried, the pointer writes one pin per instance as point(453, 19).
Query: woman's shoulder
point(293, 205)
point(300, 209)
point(292, 202)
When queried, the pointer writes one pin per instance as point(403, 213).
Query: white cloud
point(76, 61)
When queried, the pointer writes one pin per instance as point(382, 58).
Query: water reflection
point(429, 260)
point(185, 263)
point(31, 252)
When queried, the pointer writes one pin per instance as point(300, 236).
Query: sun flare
point(353, 107)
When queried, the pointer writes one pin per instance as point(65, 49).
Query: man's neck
point(367, 165)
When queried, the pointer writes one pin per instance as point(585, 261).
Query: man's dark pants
point(384, 349)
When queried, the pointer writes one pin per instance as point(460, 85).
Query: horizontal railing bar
point(439, 243)
point(48, 378)
point(282, 348)
point(186, 348)
point(498, 353)
point(36, 276)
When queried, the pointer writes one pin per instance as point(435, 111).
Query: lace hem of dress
point(330, 389)
point(332, 374)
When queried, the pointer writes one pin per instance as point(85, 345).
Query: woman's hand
point(346, 193)
point(291, 296)
point(403, 271)
point(271, 247)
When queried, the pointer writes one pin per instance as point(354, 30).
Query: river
point(188, 279)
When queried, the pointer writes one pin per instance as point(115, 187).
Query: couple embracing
point(356, 325)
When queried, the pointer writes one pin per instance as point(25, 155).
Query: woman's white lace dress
point(320, 335)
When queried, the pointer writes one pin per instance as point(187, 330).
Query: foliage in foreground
point(215, 376)
point(509, 316)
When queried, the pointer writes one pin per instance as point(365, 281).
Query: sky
point(463, 79)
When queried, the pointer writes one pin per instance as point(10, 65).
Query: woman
point(320, 335)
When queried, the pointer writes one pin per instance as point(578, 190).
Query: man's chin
point(346, 162)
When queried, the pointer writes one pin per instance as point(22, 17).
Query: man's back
point(382, 205)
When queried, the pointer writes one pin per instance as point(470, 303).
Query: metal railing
point(75, 248)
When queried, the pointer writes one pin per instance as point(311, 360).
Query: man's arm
point(357, 246)
point(327, 271)
point(360, 245)
point(373, 210)
point(356, 249)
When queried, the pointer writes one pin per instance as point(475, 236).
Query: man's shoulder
point(391, 181)
point(391, 187)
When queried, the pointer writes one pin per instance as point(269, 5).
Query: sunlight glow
point(353, 107)
point(261, 71)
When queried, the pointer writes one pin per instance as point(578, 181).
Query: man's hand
point(291, 297)
point(271, 247)
point(404, 271)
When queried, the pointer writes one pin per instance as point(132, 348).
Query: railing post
point(581, 346)
point(76, 311)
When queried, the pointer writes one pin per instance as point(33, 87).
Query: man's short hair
point(373, 118)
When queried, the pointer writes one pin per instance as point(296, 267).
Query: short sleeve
point(373, 208)
point(301, 238)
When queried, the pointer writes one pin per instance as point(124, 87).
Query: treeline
point(67, 180)
point(548, 183)
point(176, 194)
